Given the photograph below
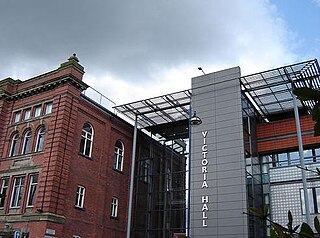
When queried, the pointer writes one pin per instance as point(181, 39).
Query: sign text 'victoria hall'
point(204, 169)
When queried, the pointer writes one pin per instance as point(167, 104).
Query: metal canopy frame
point(271, 91)
point(154, 111)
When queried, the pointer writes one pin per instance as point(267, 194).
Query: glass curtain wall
point(160, 196)
point(253, 167)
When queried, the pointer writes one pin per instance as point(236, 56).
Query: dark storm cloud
point(128, 39)
point(134, 40)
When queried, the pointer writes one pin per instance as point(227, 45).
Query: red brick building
point(65, 161)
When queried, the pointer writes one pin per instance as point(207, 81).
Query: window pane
point(40, 140)
point(14, 145)
point(86, 140)
point(310, 197)
point(26, 142)
point(114, 207)
point(88, 148)
point(4, 189)
point(283, 159)
point(17, 116)
point(118, 156)
point(37, 111)
point(308, 157)
point(48, 108)
point(82, 143)
point(32, 190)
point(80, 196)
point(17, 192)
point(27, 114)
point(317, 154)
point(294, 158)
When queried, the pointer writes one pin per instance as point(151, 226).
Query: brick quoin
point(60, 166)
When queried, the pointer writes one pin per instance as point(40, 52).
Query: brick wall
point(282, 134)
point(60, 166)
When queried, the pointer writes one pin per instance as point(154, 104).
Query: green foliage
point(309, 94)
point(279, 231)
point(317, 225)
point(183, 236)
point(306, 94)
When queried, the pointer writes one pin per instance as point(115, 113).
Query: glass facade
point(253, 167)
point(160, 202)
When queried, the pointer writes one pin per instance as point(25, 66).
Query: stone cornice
point(46, 86)
point(46, 216)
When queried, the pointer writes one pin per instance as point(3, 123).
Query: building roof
point(158, 110)
point(269, 91)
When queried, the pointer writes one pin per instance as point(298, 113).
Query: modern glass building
point(191, 162)
point(246, 149)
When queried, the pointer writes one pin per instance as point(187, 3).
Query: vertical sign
point(204, 169)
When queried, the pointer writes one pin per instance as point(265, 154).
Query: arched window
point(14, 144)
point(86, 140)
point(40, 139)
point(118, 156)
point(26, 142)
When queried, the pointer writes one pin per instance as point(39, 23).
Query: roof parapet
point(73, 61)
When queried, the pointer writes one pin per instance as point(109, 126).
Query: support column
point(134, 148)
point(301, 156)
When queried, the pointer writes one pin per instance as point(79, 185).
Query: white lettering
point(204, 169)
point(204, 223)
point(205, 199)
point(204, 184)
point(204, 215)
point(205, 207)
point(204, 176)
point(204, 133)
point(204, 162)
point(204, 148)
point(205, 154)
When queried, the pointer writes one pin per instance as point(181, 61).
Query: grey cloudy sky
point(137, 49)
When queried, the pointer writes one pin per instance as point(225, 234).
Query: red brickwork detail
point(60, 166)
point(282, 134)
point(5, 115)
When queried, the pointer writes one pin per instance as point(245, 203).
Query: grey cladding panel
point(217, 100)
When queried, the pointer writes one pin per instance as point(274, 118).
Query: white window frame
point(81, 190)
point(37, 110)
point(314, 205)
point(33, 183)
point(114, 206)
point(86, 137)
point(118, 156)
point(4, 190)
point(27, 114)
point(48, 108)
point(17, 116)
point(14, 144)
point(40, 139)
point(17, 192)
point(26, 146)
